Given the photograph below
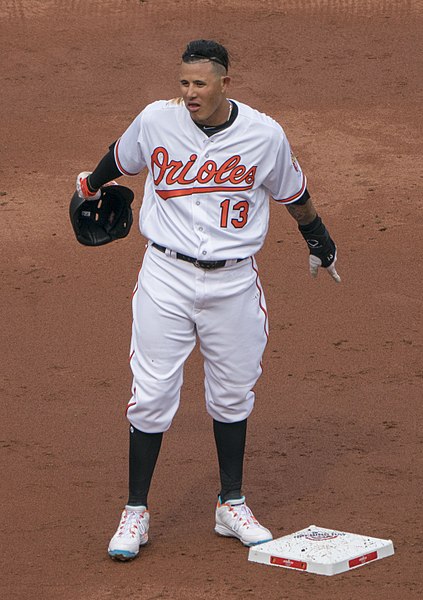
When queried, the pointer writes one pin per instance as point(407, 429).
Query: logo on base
point(319, 536)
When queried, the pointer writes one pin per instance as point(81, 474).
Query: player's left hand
point(315, 262)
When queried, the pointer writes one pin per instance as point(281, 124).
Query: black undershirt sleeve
point(105, 171)
point(303, 199)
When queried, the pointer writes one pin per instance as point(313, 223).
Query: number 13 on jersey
point(238, 213)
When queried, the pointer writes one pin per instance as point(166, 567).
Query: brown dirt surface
point(336, 436)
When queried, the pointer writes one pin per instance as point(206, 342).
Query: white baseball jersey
point(208, 197)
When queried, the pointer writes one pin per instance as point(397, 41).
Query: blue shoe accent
point(260, 542)
point(122, 554)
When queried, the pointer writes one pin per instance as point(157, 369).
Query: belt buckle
point(206, 265)
point(196, 263)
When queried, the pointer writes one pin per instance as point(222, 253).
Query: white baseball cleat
point(131, 533)
point(235, 519)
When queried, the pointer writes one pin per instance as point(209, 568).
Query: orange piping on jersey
point(166, 194)
point(295, 196)
point(129, 406)
point(119, 164)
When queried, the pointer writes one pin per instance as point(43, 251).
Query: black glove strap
point(319, 241)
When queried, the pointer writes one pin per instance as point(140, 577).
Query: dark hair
point(206, 49)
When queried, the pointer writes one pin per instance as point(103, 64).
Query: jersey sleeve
point(286, 182)
point(128, 149)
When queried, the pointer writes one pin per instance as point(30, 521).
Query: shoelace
point(244, 515)
point(130, 523)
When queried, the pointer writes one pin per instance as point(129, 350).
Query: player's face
point(203, 87)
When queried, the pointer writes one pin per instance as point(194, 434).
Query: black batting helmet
point(98, 222)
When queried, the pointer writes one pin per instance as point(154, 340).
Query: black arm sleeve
point(304, 198)
point(105, 171)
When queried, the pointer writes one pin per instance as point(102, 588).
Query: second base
point(321, 551)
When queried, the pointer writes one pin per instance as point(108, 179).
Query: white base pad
point(322, 551)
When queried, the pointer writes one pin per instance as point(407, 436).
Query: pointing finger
point(333, 273)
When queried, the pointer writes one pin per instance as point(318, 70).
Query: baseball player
point(213, 163)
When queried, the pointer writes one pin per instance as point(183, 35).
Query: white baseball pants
point(174, 303)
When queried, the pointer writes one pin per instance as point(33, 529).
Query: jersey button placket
point(201, 223)
point(201, 232)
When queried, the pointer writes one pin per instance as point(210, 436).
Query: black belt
point(202, 264)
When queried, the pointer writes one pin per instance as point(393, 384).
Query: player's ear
point(226, 80)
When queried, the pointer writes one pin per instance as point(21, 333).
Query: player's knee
point(153, 405)
point(230, 407)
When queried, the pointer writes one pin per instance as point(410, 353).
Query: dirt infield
point(336, 436)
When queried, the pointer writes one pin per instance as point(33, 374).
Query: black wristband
point(90, 187)
point(319, 241)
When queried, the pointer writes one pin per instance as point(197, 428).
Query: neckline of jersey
point(211, 130)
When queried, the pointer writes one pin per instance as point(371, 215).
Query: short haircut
point(206, 50)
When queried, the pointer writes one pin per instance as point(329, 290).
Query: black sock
point(144, 450)
point(230, 445)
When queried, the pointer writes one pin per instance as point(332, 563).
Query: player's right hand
point(82, 187)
